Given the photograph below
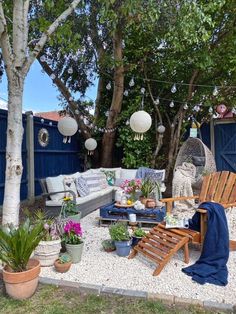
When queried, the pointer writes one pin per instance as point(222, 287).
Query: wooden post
point(30, 156)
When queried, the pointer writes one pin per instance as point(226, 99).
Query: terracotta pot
point(22, 285)
point(62, 268)
point(150, 203)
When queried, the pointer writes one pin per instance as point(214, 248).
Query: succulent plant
point(108, 245)
point(64, 258)
point(139, 233)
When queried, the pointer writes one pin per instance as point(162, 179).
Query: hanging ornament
point(196, 108)
point(173, 89)
point(185, 106)
point(215, 91)
point(172, 104)
point(53, 76)
point(90, 144)
point(70, 70)
point(157, 101)
point(210, 110)
point(108, 87)
point(131, 83)
point(67, 126)
point(142, 90)
point(161, 129)
point(42, 58)
point(140, 122)
point(126, 93)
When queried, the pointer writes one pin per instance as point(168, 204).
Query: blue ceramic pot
point(123, 248)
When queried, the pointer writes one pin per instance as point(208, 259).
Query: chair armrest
point(169, 201)
point(45, 195)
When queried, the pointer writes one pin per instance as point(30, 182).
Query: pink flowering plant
point(72, 233)
point(131, 186)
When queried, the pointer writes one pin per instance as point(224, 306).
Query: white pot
point(47, 252)
point(118, 195)
point(132, 217)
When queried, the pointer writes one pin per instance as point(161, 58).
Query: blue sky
point(39, 93)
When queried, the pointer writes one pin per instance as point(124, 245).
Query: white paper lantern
point(67, 126)
point(140, 122)
point(90, 144)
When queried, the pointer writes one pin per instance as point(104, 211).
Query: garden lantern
point(67, 126)
point(90, 144)
point(161, 129)
point(140, 122)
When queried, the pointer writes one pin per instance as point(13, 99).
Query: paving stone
point(187, 301)
point(88, 288)
point(229, 308)
point(165, 298)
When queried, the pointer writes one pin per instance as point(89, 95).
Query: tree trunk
point(14, 166)
point(108, 139)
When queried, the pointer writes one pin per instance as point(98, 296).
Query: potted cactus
point(108, 245)
point(63, 263)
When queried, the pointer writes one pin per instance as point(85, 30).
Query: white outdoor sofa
point(87, 203)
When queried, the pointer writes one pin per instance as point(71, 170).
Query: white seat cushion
point(55, 184)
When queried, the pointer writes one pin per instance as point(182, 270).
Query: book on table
point(174, 222)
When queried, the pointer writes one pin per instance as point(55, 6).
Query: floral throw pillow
point(110, 176)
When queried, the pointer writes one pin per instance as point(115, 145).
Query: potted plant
point(137, 235)
point(130, 187)
point(69, 210)
point(20, 273)
point(73, 240)
point(147, 188)
point(49, 247)
point(63, 263)
point(108, 245)
point(120, 235)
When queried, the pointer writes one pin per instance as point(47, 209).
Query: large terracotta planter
point(47, 252)
point(75, 251)
point(22, 285)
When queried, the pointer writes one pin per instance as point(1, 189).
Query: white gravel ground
point(108, 269)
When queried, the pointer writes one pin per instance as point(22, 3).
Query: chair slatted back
point(219, 187)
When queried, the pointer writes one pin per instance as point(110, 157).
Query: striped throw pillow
point(95, 181)
point(81, 186)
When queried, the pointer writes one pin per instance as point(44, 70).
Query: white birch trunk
point(14, 166)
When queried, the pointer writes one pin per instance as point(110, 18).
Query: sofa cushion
point(128, 174)
point(117, 171)
point(69, 184)
point(55, 184)
point(95, 181)
point(110, 176)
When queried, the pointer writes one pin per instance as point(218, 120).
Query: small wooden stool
point(160, 245)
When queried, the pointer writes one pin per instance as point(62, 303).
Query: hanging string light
point(215, 91)
point(157, 101)
point(173, 89)
point(172, 104)
point(108, 87)
point(185, 106)
point(131, 83)
point(70, 70)
point(126, 93)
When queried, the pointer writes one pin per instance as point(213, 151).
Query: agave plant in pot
point(20, 273)
point(49, 247)
point(63, 263)
point(120, 235)
point(137, 235)
point(73, 240)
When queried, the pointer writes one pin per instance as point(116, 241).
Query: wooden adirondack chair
point(161, 244)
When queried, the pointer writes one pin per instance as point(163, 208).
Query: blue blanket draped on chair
point(211, 266)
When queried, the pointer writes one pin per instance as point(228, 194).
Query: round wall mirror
point(43, 137)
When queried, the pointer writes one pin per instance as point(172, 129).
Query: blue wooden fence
point(54, 159)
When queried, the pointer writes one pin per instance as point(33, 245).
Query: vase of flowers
point(73, 240)
point(131, 186)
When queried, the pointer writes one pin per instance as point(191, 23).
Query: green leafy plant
point(69, 208)
point(17, 244)
point(148, 187)
point(119, 232)
point(108, 244)
point(139, 233)
point(64, 258)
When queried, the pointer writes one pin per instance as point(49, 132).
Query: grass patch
point(56, 300)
